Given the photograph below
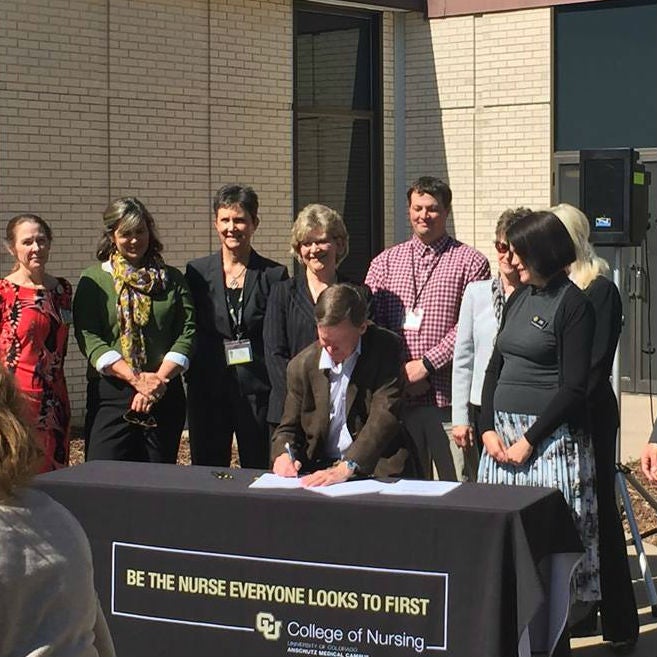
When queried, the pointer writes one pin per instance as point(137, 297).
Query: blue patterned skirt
point(563, 461)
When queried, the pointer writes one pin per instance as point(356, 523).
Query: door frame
point(374, 115)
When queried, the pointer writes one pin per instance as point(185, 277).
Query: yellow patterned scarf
point(134, 289)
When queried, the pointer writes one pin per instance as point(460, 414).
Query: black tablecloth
point(189, 563)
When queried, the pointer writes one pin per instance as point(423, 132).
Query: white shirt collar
point(326, 362)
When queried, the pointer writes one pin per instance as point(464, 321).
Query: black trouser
point(620, 621)
point(474, 412)
point(562, 648)
point(108, 436)
point(214, 417)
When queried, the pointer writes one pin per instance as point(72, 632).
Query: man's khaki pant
point(440, 457)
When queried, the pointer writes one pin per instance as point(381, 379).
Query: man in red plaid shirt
point(417, 287)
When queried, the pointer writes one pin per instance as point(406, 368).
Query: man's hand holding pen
point(286, 465)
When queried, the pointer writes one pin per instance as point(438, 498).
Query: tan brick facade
point(479, 112)
point(166, 100)
point(388, 129)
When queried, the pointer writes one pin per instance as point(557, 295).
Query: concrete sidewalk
point(647, 644)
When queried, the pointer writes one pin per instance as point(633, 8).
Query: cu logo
point(268, 626)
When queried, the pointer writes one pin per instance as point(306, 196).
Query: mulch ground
point(184, 458)
point(646, 516)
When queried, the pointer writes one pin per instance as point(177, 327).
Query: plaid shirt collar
point(437, 246)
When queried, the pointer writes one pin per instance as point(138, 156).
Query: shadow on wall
point(425, 139)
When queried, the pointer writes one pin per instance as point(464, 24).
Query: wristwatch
point(351, 464)
point(428, 365)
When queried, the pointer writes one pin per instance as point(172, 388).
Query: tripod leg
point(638, 543)
point(641, 490)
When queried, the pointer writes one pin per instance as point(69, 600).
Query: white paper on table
point(271, 480)
point(419, 487)
point(357, 487)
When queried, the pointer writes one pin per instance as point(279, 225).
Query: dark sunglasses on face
point(501, 247)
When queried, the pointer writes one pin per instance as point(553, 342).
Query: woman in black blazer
point(620, 621)
point(320, 242)
point(228, 386)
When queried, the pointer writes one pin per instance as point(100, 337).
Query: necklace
point(316, 289)
point(234, 281)
point(317, 286)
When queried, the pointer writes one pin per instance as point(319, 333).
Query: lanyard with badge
point(414, 315)
point(238, 352)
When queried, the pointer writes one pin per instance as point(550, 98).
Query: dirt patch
point(646, 516)
point(184, 457)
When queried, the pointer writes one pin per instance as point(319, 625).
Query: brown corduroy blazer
point(374, 400)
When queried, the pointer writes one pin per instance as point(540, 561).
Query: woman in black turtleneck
point(533, 403)
point(620, 621)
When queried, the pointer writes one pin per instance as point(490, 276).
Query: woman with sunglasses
point(134, 322)
point(479, 320)
point(533, 411)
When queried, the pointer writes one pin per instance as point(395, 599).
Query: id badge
point(413, 319)
point(539, 322)
point(238, 352)
point(66, 315)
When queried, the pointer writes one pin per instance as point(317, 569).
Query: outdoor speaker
point(613, 189)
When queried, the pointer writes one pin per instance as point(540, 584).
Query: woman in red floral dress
point(35, 313)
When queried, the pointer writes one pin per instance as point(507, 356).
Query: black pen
point(288, 449)
point(290, 453)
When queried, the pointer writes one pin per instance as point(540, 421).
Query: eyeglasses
point(318, 242)
point(140, 419)
point(501, 247)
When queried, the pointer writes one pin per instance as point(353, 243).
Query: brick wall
point(167, 99)
point(160, 99)
point(478, 94)
point(388, 128)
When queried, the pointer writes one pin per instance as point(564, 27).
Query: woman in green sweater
point(134, 322)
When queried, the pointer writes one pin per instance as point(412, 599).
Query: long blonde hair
point(20, 454)
point(588, 265)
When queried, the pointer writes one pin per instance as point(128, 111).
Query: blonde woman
point(49, 605)
point(319, 242)
point(620, 623)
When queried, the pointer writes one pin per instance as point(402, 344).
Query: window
point(337, 123)
point(606, 97)
point(605, 78)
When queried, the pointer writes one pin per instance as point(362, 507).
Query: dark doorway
point(337, 123)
